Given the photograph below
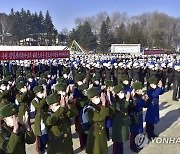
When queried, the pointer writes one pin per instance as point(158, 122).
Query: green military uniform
point(97, 139)
point(108, 72)
point(23, 100)
point(82, 101)
point(38, 104)
point(5, 70)
point(9, 141)
point(120, 131)
point(59, 127)
point(120, 128)
point(121, 72)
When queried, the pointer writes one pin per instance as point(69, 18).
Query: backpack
point(84, 119)
point(32, 109)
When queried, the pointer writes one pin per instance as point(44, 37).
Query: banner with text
point(30, 55)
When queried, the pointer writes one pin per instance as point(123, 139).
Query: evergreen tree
point(121, 34)
point(49, 28)
point(87, 38)
point(105, 36)
point(84, 36)
point(135, 34)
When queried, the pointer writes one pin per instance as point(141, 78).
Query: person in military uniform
point(5, 69)
point(58, 124)
point(126, 83)
point(136, 113)
point(108, 122)
point(121, 70)
point(152, 114)
point(97, 113)
point(81, 102)
point(108, 71)
point(4, 92)
point(23, 100)
point(120, 128)
point(11, 87)
point(170, 76)
point(136, 71)
point(13, 135)
point(31, 82)
point(142, 73)
point(39, 104)
point(176, 84)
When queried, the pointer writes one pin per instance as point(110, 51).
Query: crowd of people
point(41, 99)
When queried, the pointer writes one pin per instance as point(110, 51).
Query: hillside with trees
point(95, 33)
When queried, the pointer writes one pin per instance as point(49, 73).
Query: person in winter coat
point(58, 124)
point(152, 114)
point(97, 113)
point(136, 113)
point(120, 128)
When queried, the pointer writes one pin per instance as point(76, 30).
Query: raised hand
point(26, 121)
point(128, 95)
point(16, 124)
point(62, 101)
point(160, 84)
point(145, 97)
point(103, 99)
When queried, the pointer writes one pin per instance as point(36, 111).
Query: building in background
point(126, 49)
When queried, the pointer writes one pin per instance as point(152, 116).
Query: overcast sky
point(63, 12)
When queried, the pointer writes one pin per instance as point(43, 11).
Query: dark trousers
point(150, 130)
point(176, 89)
point(168, 86)
point(83, 140)
point(41, 142)
point(117, 148)
point(132, 143)
point(107, 133)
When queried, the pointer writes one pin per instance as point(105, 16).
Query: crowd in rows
point(97, 91)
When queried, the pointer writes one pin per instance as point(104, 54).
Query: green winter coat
point(22, 100)
point(108, 74)
point(58, 125)
point(97, 139)
point(11, 143)
point(39, 113)
point(121, 123)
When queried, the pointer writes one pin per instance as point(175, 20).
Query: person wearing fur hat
point(4, 91)
point(121, 70)
point(81, 102)
point(136, 113)
point(58, 124)
point(108, 91)
point(79, 79)
point(38, 108)
point(97, 113)
point(120, 128)
point(31, 82)
point(23, 100)
point(108, 71)
point(13, 135)
point(136, 71)
point(126, 83)
point(152, 114)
